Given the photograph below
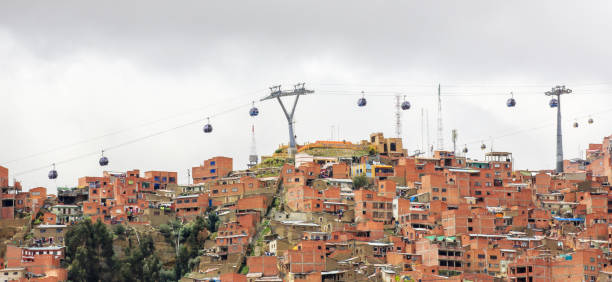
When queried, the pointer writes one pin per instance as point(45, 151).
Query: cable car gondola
point(405, 104)
point(575, 124)
point(208, 128)
point(511, 102)
point(53, 173)
point(553, 103)
point(362, 101)
point(483, 146)
point(103, 160)
point(465, 149)
point(254, 111)
point(590, 120)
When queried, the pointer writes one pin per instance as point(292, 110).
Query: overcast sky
point(71, 71)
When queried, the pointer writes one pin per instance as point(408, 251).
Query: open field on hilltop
point(334, 152)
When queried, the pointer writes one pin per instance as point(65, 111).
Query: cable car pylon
point(555, 102)
point(276, 92)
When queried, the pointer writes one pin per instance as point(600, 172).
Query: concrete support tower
point(558, 91)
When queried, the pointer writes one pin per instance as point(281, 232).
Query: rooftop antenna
point(422, 130)
point(427, 126)
point(454, 137)
point(440, 137)
point(558, 91)
point(398, 117)
point(276, 92)
point(253, 156)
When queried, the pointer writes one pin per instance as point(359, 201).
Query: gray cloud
point(72, 70)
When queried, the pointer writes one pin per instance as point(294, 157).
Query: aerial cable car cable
point(190, 123)
point(116, 132)
point(447, 94)
point(133, 140)
point(459, 85)
point(545, 125)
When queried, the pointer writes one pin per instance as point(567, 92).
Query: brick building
point(191, 205)
point(212, 169)
point(369, 205)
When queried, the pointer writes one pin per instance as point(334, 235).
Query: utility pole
point(276, 92)
point(440, 136)
point(188, 177)
point(558, 91)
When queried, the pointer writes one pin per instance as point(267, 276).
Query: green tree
point(89, 252)
point(360, 181)
point(212, 222)
point(119, 230)
point(182, 263)
point(141, 263)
